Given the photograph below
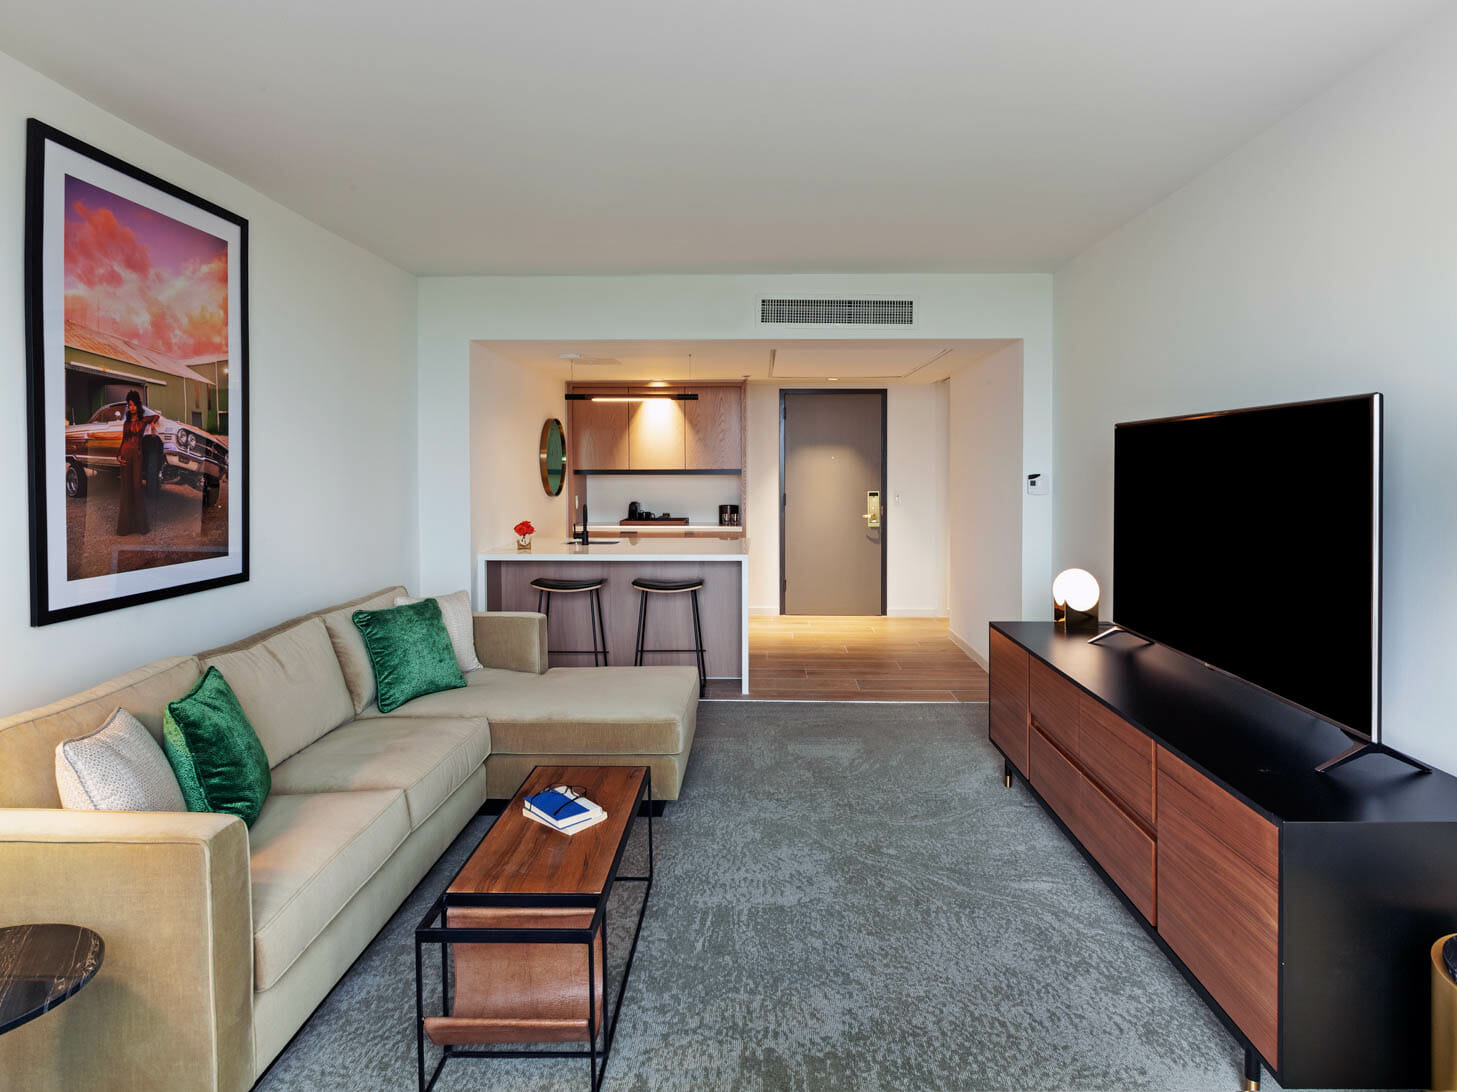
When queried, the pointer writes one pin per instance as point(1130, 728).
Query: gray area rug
point(846, 898)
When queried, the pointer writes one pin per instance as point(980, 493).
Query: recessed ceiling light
point(834, 378)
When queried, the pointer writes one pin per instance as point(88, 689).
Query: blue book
point(562, 807)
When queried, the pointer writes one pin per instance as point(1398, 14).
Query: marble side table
point(41, 966)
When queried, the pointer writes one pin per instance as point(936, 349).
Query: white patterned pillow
point(459, 622)
point(118, 767)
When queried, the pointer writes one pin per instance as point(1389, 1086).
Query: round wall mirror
point(553, 457)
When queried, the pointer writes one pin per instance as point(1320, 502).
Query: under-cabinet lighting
point(632, 397)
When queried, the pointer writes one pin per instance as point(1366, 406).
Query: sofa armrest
point(511, 639)
point(170, 895)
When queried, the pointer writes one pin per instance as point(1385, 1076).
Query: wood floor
point(835, 658)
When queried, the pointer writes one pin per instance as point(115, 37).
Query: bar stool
point(660, 587)
point(546, 585)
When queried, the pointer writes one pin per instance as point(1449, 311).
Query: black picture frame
point(228, 452)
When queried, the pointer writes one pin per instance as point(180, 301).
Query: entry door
point(832, 476)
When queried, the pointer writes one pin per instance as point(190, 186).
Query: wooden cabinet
point(1219, 897)
point(1054, 705)
point(655, 435)
point(714, 428)
point(1118, 756)
point(1008, 700)
point(598, 435)
point(1303, 903)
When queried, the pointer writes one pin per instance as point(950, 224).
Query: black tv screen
point(1251, 540)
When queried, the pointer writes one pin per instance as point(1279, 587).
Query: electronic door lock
point(872, 508)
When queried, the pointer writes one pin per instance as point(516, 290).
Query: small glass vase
point(523, 542)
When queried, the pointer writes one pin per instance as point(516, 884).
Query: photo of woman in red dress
point(132, 517)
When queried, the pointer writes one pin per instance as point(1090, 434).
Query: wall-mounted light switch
point(1039, 485)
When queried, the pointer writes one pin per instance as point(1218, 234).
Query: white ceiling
point(900, 360)
point(480, 136)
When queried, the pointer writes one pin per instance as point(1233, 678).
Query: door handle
point(872, 508)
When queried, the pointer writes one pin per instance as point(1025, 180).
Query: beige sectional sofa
point(221, 940)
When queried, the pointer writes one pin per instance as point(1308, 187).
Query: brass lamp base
point(1066, 619)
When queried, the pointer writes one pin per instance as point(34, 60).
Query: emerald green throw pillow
point(220, 764)
point(410, 650)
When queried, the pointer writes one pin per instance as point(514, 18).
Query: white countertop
point(631, 548)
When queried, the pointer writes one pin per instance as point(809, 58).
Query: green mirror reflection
point(553, 457)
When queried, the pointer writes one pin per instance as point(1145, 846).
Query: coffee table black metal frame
point(428, 932)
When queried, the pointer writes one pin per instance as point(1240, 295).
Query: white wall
point(332, 331)
point(916, 423)
point(1320, 259)
point(508, 406)
point(986, 493)
point(457, 310)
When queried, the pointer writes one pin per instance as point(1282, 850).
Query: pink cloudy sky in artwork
point(134, 272)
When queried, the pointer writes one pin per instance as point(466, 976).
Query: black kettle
point(633, 509)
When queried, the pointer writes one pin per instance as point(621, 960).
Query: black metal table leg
point(1252, 1070)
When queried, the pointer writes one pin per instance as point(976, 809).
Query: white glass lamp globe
point(1075, 588)
point(1075, 601)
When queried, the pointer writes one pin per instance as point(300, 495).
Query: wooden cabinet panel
point(597, 433)
point(1120, 845)
point(1008, 699)
point(655, 435)
point(1054, 705)
point(1057, 780)
point(713, 428)
point(1210, 808)
point(1218, 909)
point(1118, 756)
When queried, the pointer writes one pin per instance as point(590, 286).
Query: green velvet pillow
point(220, 764)
point(410, 650)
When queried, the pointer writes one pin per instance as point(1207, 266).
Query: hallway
point(840, 658)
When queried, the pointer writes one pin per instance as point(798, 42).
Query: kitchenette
point(654, 483)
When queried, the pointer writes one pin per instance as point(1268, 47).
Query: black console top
point(1262, 749)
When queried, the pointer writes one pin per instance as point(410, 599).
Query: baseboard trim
point(915, 612)
point(965, 646)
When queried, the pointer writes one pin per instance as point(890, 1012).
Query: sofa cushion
point(290, 685)
point(573, 710)
point(214, 751)
point(410, 650)
point(28, 740)
point(428, 759)
point(310, 854)
point(349, 645)
point(118, 767)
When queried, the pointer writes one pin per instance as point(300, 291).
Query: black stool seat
point(547, 583)
point(667, 585)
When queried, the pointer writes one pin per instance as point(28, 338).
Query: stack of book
point(563, 809)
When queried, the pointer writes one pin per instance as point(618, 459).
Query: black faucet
point(585, 535)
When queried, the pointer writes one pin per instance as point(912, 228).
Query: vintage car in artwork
point(173, 452)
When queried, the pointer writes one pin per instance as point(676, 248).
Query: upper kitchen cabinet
point(598, 434)
point(713, 428)
point(655, 434)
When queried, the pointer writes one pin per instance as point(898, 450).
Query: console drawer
point(1054, 705)
point(1118, 756)
point(1120, 845)
point(1008, 704)
point(1058, 781)
point(1219, 898)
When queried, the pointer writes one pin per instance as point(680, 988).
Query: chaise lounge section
point(220, 939)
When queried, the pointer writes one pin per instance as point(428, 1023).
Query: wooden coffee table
point(524, 923)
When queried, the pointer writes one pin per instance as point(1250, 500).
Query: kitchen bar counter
point(504, 576)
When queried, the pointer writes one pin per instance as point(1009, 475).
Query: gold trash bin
point(1444, 1022)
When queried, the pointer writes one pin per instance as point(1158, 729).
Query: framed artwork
point(137, 387)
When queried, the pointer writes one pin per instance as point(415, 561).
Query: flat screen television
point(1251, 540)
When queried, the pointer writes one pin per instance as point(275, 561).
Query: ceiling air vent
point(838, 312)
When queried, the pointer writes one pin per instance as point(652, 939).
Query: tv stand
point(1366, 747)
point(1301, 908)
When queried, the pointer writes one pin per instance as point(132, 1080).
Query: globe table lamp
point(1075, 601)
